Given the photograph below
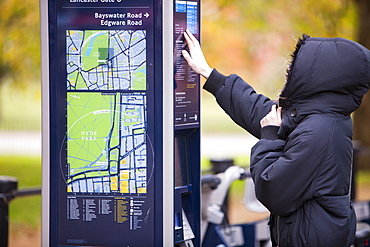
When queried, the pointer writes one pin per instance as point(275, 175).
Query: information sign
point(186, 100)
point(103, 178)
point(121, 129)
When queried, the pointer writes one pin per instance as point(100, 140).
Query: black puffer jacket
point(302, 170)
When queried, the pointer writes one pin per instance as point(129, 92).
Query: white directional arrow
point(146, 15)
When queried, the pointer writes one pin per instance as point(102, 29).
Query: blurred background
point(251, 38)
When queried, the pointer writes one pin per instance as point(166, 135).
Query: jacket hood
point(327, 76)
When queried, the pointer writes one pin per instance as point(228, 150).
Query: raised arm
point(236, 97)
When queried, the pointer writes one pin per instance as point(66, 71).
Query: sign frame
point(163, 139)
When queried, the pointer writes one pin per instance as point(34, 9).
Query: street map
point(106, 60)
point(106, 112)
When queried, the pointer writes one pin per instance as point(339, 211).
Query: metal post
point(8, 187)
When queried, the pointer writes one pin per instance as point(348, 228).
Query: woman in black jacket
point(302, 163)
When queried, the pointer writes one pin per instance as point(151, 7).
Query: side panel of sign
point(186, 81)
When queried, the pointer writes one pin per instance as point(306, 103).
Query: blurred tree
point(20, 41)
point(254, 38)
point(362, 115)
point(250, 37)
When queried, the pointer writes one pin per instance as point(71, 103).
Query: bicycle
point(215, 228)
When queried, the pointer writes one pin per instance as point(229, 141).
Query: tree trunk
point(362, 115)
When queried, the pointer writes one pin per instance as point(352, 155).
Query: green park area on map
point(106, 142)
point(106, 117)
point(106, 59)
point(95, 52)
point(92, 124)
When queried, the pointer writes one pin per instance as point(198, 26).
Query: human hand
point(196, 59)
point(272, 118)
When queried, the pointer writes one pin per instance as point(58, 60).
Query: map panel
point(106, 142)
point(106, 59)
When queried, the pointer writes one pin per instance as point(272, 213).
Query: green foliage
point(20, 41)
point(363, 177)
point(254, 38)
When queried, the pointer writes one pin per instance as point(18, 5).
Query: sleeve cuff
point(270, 132)
point(214, 82)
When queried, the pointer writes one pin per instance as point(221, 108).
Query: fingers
point(272, 118)
point(195, 57)
point(278, 114)
point(190, 37)
point(188, 40)
point(191, 40)
point(187, 56)
point(190, 44)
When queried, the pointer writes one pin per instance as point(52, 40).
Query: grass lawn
point(25, 211)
